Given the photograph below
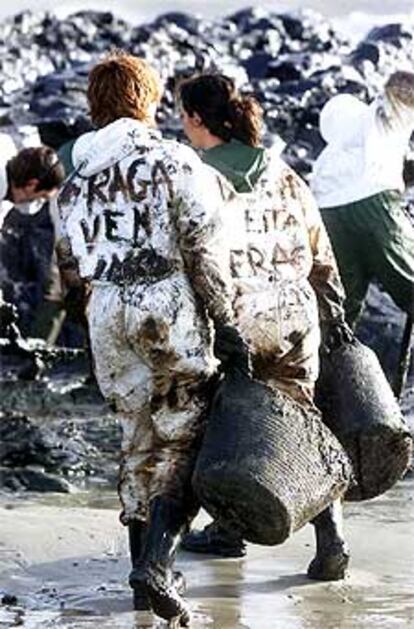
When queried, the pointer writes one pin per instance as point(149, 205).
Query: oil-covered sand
point(65, 559)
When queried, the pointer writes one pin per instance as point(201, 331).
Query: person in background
point(31, 174)
point(140, 222)
point(286, 288)
point(29, 179)
point(358, 184)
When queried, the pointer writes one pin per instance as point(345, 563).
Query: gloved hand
point(75, 302)
point(335, 333)
point(230, 348)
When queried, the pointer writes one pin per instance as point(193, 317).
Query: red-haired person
point(140, 222)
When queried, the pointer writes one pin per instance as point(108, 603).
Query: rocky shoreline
point(292, 62)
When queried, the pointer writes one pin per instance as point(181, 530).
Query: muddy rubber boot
point(332, 554)
point(137, 578)
point(214, 539)
point(136, 532)
point(167, 522)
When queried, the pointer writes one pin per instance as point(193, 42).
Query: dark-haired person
point(358, 183)
point(33, 173)
point(140, 222)
point(28, 180)
point(286, 285)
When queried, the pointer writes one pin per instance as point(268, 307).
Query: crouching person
point(140, 218)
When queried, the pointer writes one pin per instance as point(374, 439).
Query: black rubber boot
point(332, 554)
point(167, 522)
point(137, 578)
point(214, 540)
point(137, 531)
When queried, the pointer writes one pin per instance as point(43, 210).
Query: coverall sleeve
point(200, 234)
point(324, 276)
point(66, 261)
point(67, 264)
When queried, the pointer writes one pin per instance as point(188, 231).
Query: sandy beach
point(67, 565)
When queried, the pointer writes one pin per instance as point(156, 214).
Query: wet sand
point(67, 564)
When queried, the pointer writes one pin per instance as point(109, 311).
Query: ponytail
point(245, 118)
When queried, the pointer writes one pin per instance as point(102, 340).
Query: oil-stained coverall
point(285, 281)
point(140, 215)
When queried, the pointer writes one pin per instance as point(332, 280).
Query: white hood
point(90, 154)
point(363, 156)
point(342, 120)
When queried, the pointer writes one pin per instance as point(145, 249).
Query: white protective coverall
point(141, 217)
point(284, 277)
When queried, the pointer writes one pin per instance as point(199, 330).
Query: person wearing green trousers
point(358, 183)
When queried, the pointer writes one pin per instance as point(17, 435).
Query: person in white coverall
point(140, 222)
point(287, 294)
point(358, 184)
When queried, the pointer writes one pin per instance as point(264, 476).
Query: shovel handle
point(404, 359)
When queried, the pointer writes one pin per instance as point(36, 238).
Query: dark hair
point(40, 163)
point(122, 85)
point(223, 110)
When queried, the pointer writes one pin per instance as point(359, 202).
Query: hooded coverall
point(140, 218)
point(284, 277)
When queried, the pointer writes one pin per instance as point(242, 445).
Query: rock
point(365, 51)
point(185, 21)
point(27, 479)
point(393, 33)
point(286, 70)
point(253, 45)
point(9, 599)
point(257, 65)
point(56, 132)
point(33, 450)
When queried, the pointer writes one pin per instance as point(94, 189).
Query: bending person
point(286, 285)
point(357, 181)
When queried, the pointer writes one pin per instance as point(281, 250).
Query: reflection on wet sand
point(72, 574)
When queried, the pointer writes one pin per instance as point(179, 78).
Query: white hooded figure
point(357, 181)
point(140, 223)
point(137, 217)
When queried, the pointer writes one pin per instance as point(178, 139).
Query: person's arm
point(324, 276)
point(67, 264)
point(202, 244)
point(199, 228)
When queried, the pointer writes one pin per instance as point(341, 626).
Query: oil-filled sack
point(267, 465)
point(359, 407)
